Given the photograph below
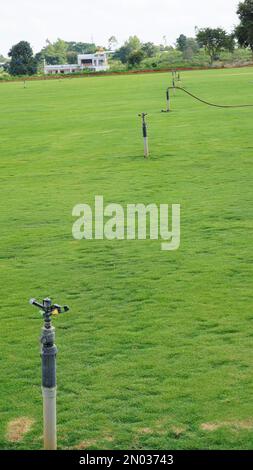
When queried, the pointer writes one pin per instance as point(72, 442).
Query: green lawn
point(156, 352)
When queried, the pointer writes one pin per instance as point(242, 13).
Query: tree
point(81, 47)
point(22, 60)
point(54, 53)
point(71, 57)
point(193, 44)
point(135, 58)
point(181, 43)
point(132, 45)
point(149, 49)
point(2, 59)
point(188, 46)
point(122, 54)
point(244, 31)
point(214, 41)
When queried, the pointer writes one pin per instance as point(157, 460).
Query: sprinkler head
point(143, 115)
point(48, 309)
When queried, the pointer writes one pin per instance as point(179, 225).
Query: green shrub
point(4, 75)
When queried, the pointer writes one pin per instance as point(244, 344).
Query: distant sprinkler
point(179, 79)
point(174, 86)
point(145, 134)
point(167, 110)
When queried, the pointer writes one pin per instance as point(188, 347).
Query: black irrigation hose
point(211, 104)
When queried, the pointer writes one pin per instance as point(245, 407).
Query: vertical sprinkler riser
point(174, 86)
point(145, 134)
point(48, 356)
point(167, 110)
point(168, 100)
point(48, 359)
point(48, 362)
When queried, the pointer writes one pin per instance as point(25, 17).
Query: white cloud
point(37, 20)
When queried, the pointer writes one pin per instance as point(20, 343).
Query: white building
point(97, 62)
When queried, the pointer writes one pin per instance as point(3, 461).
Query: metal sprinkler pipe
point(167, 110)
point(48, 362)
point(145, 134)
point(174, 86)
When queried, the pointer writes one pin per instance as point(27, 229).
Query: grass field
point(157, 350)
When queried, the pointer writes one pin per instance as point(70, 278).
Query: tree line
point(213, 41)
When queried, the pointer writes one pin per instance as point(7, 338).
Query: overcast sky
point(86, 20)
